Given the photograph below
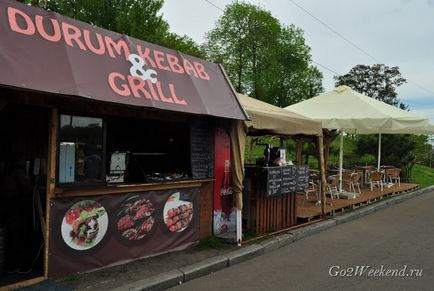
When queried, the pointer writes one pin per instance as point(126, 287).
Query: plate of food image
point(177, 213)
point(84, 225)
point(135, 219)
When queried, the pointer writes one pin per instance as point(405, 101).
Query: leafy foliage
point(183, 44)
point(263, 58)
point(296, 79)
point(377, 81)
point(243, 39)
point(391, 154)
point(137, 18)
point(423, 150)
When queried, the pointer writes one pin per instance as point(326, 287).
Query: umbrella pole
point(379, 152)
point(239, 227)
point(341, 159)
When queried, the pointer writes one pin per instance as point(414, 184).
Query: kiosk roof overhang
point(47, 52)
point(269, 119)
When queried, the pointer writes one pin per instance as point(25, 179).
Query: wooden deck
point(307, 210)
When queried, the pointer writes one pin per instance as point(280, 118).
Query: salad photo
point(84, 225)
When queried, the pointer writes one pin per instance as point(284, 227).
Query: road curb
point(157, 282)
point(244, 254)
point(204, 267)
point(284, 239)
point(312, 229)
point(346, 217)
point(270, 245)
point(208, 266)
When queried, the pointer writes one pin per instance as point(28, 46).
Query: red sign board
point(224, 211)
point(48, 52)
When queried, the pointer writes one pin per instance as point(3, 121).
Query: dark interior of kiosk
point(156, 150)
point(99, 150)
point(23, 160)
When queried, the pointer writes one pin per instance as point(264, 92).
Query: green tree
point(423, 151)
point(243, 39)
point(377, 81)
point(137, 18)
point(296, 78)
point(183, 44)
point(394, 147)
point(263, 58)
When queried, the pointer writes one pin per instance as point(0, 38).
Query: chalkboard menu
point(286, 179)
point(201, 150)
point(302, 177)
point(274, 181)
point(289, 178)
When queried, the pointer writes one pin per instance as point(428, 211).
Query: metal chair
point(362, 176)
point(311, 189)
point(355, 181)
point(393, 175)
point(346, 179)
point(332, 187)
point(377, 179)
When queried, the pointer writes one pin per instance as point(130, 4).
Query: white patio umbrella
point(349, 111)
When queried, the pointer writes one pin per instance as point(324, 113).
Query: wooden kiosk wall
point(54, 104)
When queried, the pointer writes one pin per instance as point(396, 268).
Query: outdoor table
point(365, 172)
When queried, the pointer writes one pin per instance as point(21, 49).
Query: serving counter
point(270, 196)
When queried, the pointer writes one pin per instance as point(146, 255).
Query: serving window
point(81, 150)
point(96, 150)
point(145, 150)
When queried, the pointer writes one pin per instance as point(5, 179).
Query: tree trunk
point(322, 171)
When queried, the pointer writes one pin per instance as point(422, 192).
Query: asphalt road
point(399, 238)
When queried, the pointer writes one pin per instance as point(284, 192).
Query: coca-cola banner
point(224, 211)
point(48, 52)
point(95, 231)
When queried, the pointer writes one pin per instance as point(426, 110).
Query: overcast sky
point(395, 33)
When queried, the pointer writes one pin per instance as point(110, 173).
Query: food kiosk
point(112, 139)
point(268, 200)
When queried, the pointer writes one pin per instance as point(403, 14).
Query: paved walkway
point(399, 237)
